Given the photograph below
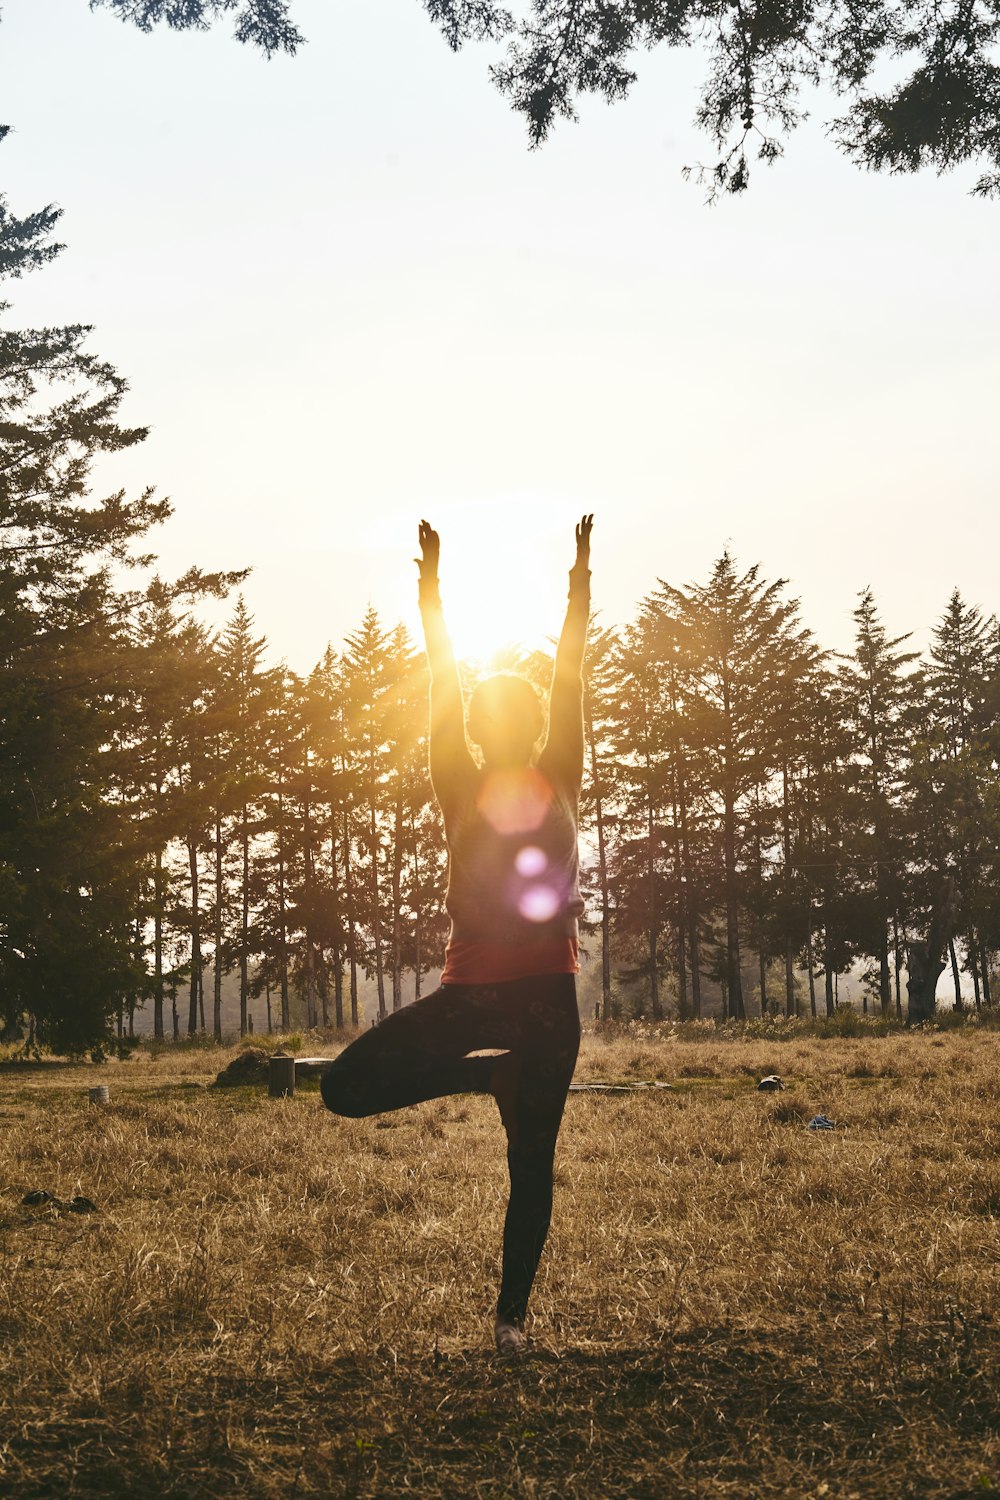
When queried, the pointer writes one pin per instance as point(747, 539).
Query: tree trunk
point(956, 977)
point(970, 957)
point(308, 892)
point(217, 974)
point(352, 938)
point(397, 872)
point(282, 913)
point(245, 922)
point(602, 875)
point(695, 968)
point(734, 980)
point(654, 961)
point(417, 911)
point(884, 989)
point(926, 960)
point(984, 960)
point(338, 966)
point(158, 946)
point(192, 846)
point(376, 912)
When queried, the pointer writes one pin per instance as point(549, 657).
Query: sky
point(347, 296)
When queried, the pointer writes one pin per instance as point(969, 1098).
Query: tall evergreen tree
point(598, 713)
point(747, 654)
point(367, 662)
point(245, 684)
point(71, 858)
point(879, 694)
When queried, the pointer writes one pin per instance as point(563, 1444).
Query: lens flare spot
point(539, 903)
point(530, 861)
point(515, 801)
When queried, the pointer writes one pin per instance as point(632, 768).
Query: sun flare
point(496, 596)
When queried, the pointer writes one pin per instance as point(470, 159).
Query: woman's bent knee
point(343, 1095)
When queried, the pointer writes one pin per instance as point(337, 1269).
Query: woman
point(514, 902)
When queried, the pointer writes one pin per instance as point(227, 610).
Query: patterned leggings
point(420, 1052)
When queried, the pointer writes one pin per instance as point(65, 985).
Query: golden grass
point(274, 1302)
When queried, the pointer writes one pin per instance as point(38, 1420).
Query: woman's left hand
point(583, 530)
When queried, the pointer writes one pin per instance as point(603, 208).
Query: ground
point(269, 1301)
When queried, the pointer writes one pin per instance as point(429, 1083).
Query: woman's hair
point(507, 703)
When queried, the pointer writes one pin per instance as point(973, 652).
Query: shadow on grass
point(713, 1412)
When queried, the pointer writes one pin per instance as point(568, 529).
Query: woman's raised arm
point(562, 757)
point(451, 763)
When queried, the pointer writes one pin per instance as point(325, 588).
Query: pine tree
point(878, 699)
point(70, 858)
point(245, 685)
point(640, 870)
point(746, 653)
point(598, 714)
point(957, 678)
point(367, 664)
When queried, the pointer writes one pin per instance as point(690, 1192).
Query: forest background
point(763, 816)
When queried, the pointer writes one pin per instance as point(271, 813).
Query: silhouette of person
point(514, 901)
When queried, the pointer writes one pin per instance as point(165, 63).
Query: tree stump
point(280, 1076)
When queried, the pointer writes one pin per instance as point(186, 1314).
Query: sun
point(503, 571)
point(496, 597)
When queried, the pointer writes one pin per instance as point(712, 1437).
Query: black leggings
point(420, 1052)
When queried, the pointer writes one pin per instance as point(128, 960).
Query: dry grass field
point(272, 1302)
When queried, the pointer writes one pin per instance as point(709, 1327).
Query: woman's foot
point(511, 1339)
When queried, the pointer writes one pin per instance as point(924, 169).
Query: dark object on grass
point(248, 1066)
point(820, 1122)
point(770, 1085)
point(100, 1094)
point(75, 1205)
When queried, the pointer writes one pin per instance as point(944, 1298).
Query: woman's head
point(505, 719)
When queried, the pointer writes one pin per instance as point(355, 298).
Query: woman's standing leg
point(541, 1068)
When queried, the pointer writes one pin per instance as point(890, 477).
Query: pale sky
point(346, 296)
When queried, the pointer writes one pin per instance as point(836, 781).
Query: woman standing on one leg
point(514, 903)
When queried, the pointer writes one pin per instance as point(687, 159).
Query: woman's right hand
point(430, 546)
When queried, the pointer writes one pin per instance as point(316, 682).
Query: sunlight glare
point(539, 903)
point(514, 801)
point(499, 587)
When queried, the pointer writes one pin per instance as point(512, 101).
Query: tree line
point(759, 814)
